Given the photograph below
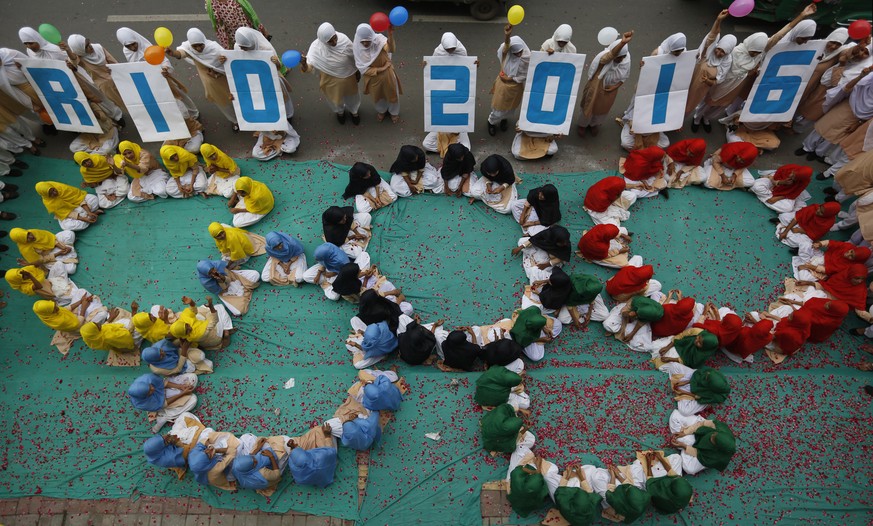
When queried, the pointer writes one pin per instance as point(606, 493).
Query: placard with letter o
point(550, 92)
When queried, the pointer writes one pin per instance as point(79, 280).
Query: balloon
point(163, 37)
point(607, 36)
point(741, 8)
point(50, 33)
point(398, 16)
point(379, 22)
point(154, 55)
point(291, 58)
point(515, 15)
point(859, 30)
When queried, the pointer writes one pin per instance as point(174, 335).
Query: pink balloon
point(741, 8)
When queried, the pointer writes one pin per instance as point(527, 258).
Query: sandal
point(395, 119)
point(380, 117)
point(235, 128)
point(8, 216)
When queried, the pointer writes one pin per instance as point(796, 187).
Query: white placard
point(150, 101)
point(257, 95)
point(60, 93)
point(450, 94)
point(662, 92)
point(550, 92)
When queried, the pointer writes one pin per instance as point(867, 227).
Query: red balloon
point(379, 22)
point(859, 30)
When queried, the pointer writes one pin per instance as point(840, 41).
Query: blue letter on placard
point(459, 95)
point(149, 102)
point(787, 85)
point(662, 93)
point(558, 114)
point(44, 78)
point(240, 69)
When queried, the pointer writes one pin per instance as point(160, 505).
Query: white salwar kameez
point(536, 350)
point(290, 143)
point(316, 275)
point(361, 227)
point(173, 189)
point(71, 223)
point(153, 183)
point(362, 205)
point(516, 152)
point(105, 148)
point(115, 186)
point(236, 288)
point(428, 179)
point(531, 298)
point(745, 175)
point(455, 182)
point(617, 212)
point(763, 190)
point(68, 261)
point(224, 186)
point(516, 208)
point(431, 143)
point(275, 274)
point(500, 202)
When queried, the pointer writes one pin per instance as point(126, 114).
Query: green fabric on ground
point(71, 431)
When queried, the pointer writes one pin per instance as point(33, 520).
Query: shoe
point(3, 248)
point(8, 216)
point(707, 127)
point(381, 116)
point(14, 173)
point(695, 126)
point(492, 129)
point(580, 130)
point(356, 119)
point(830, 191)
point(341, 117)
point(595, 130)
point(774, 220)
point(290, 121)
point(800, 152)
point(235, 128)
point(9, 196)
point(3, 233)
point(830, 199)
point(49, 129)
point(821, 177)
point(869, 390)
point(811, 156)
point(11, 187)
point(504, 124)
point(121, 122)
point(858, 331)
point(20, 164)
point(664, 193)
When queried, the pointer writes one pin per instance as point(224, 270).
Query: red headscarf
point(629, 279)
point(738, 154)
point(645, 163)
point(594, 244)
point(752, 339)
point(688, 151)
point(604, 192)
point(802, 177)
point(816, 225)
point(791, 332)
point(826, 316)
point(676, 318)
point(835, 258)
point(840, 286)
point(725, 330)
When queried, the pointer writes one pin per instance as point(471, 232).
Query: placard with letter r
point(59, 91)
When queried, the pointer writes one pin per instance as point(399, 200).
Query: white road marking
point(436, 19)
point(198, 17)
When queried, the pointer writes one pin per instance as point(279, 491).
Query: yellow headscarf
point(153, 331)
point(236, 244)
point(67, 200)
point(223, 161)
point(177, 168)
point(17, 282)
point(198, 326)
point(109, 337)
point(45, 240)
point(258, 199)
point(120, 158)
point(62, 320)
point(97, 173)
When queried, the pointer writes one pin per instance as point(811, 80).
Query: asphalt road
point(294, 23)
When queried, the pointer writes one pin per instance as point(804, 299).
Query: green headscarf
point(628, 501)
point(647, 309)
point(577, 506)
point(585, 289)
point(493, 387)
point(715, 447)
point(710, 385)
point(500, 428)
point(527, 326)
point(694, 356)
point(527, 491)
point(670, 493)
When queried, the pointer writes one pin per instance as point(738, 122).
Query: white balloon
point(607, 36)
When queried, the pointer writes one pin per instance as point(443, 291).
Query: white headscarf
point(78, 46)
point(211, 50)
point(850, 72)
point(252, 39)
point(674, 42)
point(449, 41)
point(46, 50)
point(612, 73)
point(364, 56)
point(803, 29)
point(11, 76)
point(741, 61)
point(722, 65)
point(127, 36)
point(841, 35)
point(563, 34)
point(336, 61)
point(515, 67)
point(861, 98)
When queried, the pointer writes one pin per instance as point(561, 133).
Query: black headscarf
point(500, 167)
point(416, 344)
point(336, 222)
point(555, 240)
point(347, 282)
point(373, 308)
point(458, 353)
point(362, 176)
point(501, 352)
point(549, 208)
point(409, 159)
point(555, 293)
point(459, 160)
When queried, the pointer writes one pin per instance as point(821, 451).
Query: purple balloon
point(741, 8)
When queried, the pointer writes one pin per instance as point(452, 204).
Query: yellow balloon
point(163, 37)
point(515, 15)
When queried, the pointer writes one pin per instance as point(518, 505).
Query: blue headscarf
point(209, 283)
point(246, 470)
point(163, 455)
point(362, 433)
point(199, 463)
point(382, 395)
point(138, 392)
point(331, 256)
point(313, 467)
point(378, 340)
point(152, 354)
point(291, 247)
